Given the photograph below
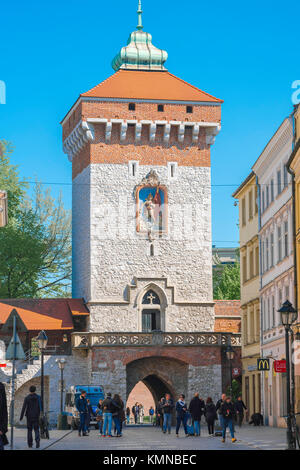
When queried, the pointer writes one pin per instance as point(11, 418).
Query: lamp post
point(230, 357)
point(42, 340)
point(288, 316)
point(61, 364)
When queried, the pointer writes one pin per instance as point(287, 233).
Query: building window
point(244, 269)
point(272, 250)
point(272, 190)
point(267, 254)
point(251, 264)
point(250, 205)
point(133, 168)
point(172, 170)
point(256, 200)
point(287, 292)
point(257, 260)
point(160, 108)
point(268, 314)
point(243, 211)
point(280, 298)
point(131, 106)
point(189, 109)
point(286, 239)
point(262, 202)
point(278, 182)
point(267, 197)
point(151, 249)
point(285, 177)
point(273, 311)
point(279, 236)
point(151, 318)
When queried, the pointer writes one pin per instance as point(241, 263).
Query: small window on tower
point(189, 109)
point(160, 108)
point(172, 170)
point(131, 106)
point(133, 168)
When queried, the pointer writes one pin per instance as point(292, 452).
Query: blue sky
point(246, 53)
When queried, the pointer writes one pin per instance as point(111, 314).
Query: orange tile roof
point(138, 84)
point(44, 314)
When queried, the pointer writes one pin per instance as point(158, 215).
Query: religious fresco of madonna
point(151, 209)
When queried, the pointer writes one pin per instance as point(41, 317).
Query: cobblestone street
point(149, 438)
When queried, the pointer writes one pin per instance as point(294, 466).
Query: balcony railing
point(89, 340)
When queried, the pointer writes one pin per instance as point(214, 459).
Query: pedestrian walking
point(32, 408)
point(135, 412)
point(228, 413)
point(210, 416)
point(99, 416)
point(90, 414)
point(118, 413)
point(141, 414)
point(82, 407)
point(239, 407)
point(196, 410)
point(151, 414)
point(181, 415)
point(167, 408)
point(218, 408)
point(108, 409)
point(159, 414)
point(128, 415)
point(3, 417)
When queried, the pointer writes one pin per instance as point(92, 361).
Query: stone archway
point(159, 374)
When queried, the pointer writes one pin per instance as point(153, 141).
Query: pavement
point(151, 438)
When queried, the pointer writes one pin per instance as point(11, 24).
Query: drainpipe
point(295, 266)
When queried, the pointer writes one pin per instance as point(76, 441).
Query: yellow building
point(294, 167)
point(249, 258)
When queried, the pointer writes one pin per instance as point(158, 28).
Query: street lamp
point(230, 357)
point(61, 364)
point(42, 340)
point(288, 316)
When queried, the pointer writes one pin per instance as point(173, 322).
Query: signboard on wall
point(263, 364)
point(280, 366)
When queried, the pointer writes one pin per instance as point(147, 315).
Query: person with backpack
point(196, 410)
point(118, 414)
point(218, 408)
point(159, 414)
point(210, 415)
point(151, 414)
point(228, 413)
point(99, 416)
point(32, 408)
point(181, 415)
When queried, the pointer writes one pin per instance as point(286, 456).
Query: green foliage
point(35, 246)
point(236, 390)
point(226, 282)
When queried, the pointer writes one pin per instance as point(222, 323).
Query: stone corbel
point(123, 132)
point(196, 130)
point(81, 135)
point(211, 133)
point(152, 131)
point(108, 131)
point(167, 133)
point(181, 130)
point(138, 131)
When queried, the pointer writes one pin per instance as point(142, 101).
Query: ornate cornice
point(81, 135)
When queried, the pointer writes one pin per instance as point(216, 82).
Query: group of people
point(109, 412)
point(138, 413)
point(224, 410)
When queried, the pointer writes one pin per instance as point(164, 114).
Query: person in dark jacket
point(228, 413)
point(3, 417)
point(90, 414)
point(108, 409)
point(159, 414)
point(181, 415)
point(210, 415)
point(82, 408)
point(167, 406)
point(196, 410)
point(99, 416)
point(118, 414)
point(135, 411)
point(218, 408)
point(32, 408)
point(239, 409)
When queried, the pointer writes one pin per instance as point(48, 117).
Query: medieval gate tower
point(139, 144)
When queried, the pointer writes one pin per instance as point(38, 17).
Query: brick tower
point(139, 143)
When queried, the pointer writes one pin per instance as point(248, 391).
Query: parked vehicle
point(93, 392)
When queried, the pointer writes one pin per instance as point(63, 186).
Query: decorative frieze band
point(84, 132)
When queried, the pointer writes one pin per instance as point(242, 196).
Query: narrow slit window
point(151, 249)
point(189, 109)
point(131, 106)
point(160, 108)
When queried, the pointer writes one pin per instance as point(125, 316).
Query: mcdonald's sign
point(263, 364)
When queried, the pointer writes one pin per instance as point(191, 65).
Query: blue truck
point(93, 392)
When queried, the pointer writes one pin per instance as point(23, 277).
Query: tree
point(226, 282)
point(35, 246)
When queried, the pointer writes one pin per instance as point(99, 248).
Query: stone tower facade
point(139, 143)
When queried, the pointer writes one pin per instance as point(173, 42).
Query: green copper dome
point(140, 54)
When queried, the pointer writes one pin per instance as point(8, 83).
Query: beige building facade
point(246, 194)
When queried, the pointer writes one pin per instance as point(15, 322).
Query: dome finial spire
point(139, 12)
